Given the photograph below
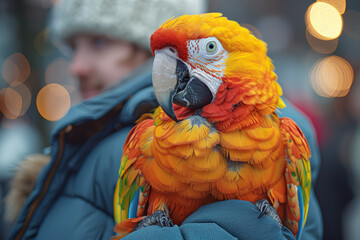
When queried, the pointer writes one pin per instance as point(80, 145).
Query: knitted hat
point(131, 20)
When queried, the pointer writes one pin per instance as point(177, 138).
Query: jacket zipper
point(48, 179)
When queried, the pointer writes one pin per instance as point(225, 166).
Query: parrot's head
point(209, 63)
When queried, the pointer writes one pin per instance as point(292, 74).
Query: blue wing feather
point(301, 206)
point(134, 205)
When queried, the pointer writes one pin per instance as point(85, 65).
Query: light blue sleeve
point(231, 219)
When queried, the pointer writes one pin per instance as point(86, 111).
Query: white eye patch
point(207, 61)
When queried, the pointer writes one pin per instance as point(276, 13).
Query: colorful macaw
point(216, 134)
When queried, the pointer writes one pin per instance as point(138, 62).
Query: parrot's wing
point(131, 186)
point(297, 175)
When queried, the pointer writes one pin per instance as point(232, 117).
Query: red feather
point(170, 38)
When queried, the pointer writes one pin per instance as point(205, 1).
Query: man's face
point(99, 62)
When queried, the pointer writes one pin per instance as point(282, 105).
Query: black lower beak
point(190, 91)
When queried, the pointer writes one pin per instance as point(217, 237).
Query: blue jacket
point(73, 196)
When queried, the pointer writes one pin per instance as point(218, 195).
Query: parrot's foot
point(265, 208)
point(159, 218)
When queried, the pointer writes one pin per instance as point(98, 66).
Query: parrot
point(216, 134)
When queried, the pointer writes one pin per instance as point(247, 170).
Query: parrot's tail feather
point(125, 227)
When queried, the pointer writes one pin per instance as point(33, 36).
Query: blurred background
point(315, 47)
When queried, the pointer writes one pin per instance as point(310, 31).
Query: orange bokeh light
point(15, 69)
point(25, 93)
point(11, 103)
point(53, 102)
point(332, 77)
point(323, 21)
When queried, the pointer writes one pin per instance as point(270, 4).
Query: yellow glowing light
point(322, 46)
point(340, 5)
point(12, 103)
point(332, 77)
point(15, 69)
point(53, 102)
point(324, 21)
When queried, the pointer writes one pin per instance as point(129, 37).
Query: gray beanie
point(131, 20)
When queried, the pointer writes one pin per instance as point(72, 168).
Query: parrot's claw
point(159, 218)
point(265, 208)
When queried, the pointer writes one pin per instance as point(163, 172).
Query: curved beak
point(164, 81)
point(173, 84)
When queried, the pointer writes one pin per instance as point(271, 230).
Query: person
point(73, 197)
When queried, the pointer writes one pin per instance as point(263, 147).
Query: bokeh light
point(25, 94)
point(332, 77)
point(322, 46)
point(53, 102)
point(323, 21)
point(15, 69)
point(340, 5)
point(11, 103)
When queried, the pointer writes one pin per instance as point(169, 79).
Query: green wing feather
point(130, 176)
point(126, 187)
point(304, 175)
point(298, 171)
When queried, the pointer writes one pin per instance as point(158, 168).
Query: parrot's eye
point(211, 47)
point(207, 48)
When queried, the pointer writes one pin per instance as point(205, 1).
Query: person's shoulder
point(113, 143)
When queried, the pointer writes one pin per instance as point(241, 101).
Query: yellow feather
point(202, 152)
point(184, 151)
point(238, 155)
point(237, 140)
point(272, 142)
point(259, 133)
point(207, 163)
point(261, 156)
point(185, 132)
point(209, 142)
point(163, 180)
point(116, 204)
